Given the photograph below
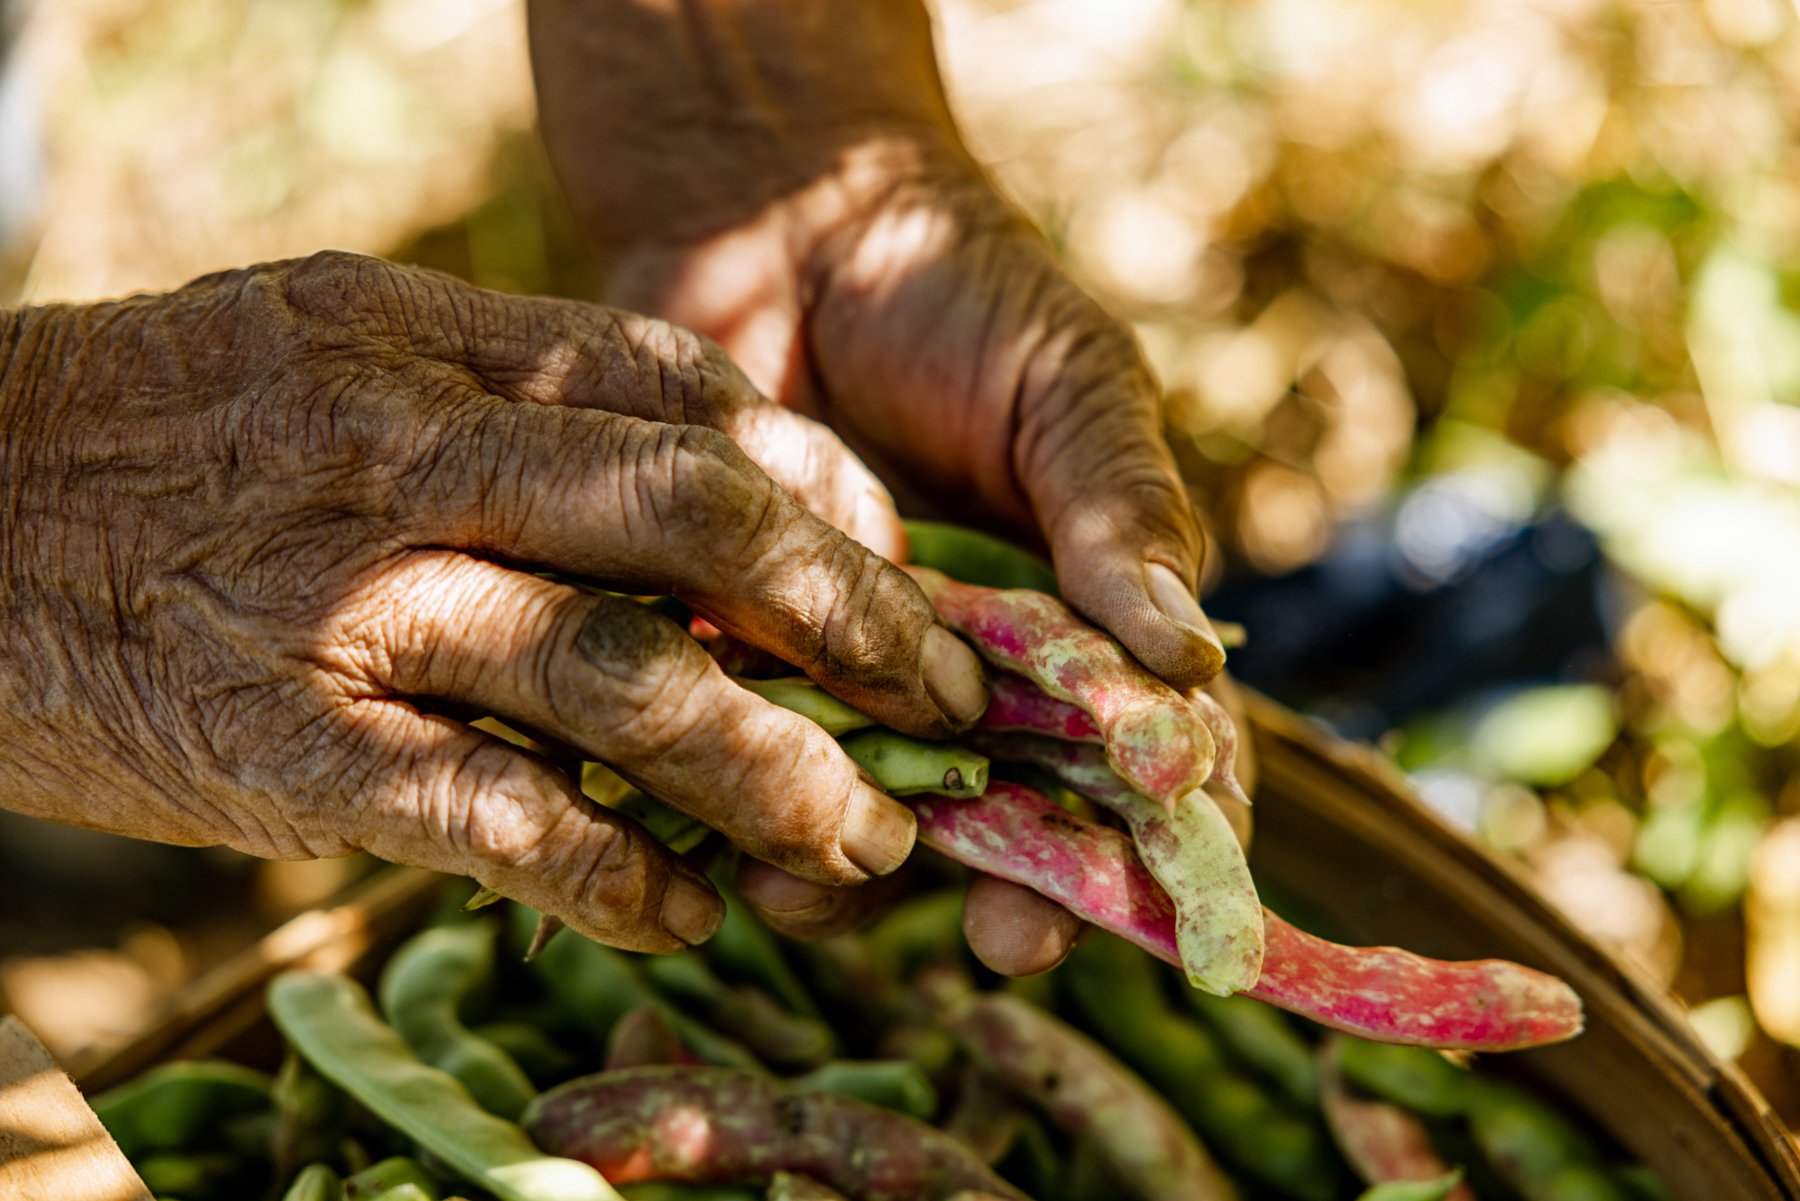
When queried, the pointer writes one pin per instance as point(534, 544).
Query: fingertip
point(1174, 600)
point(878, 831)
point(954, 677)
point(691, 909)
point(1015, 931)
point(802, 909)
point(773, 890)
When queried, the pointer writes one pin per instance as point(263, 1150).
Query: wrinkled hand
point(256, 540)
point(787, 179)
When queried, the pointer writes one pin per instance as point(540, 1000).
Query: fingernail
point(878, 831)
point(691, 911)
point(1176, 602)
point(792, 897)
point(953, 676)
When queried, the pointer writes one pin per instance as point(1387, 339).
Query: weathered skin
point(1088, 1092)
point(1191, 851)
point(1383, 994)
point(1154, 738)
point(1015, 703)
point(715, 1125)
point(1380, 1140)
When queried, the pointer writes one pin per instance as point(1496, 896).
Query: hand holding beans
point(256, 540)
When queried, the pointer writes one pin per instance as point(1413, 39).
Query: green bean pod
point(1260, 1036)
point(383, 1179)
point(328, 1019)
point(312, 1116)
point(314, 1182)
point(668, 1190)
point(790, 1186)
point(674, 829)
point(746, 948)
point(904, 766)
point(186, 1173)
point(890, 1083)
point(168, 1108)
point(789, 1041)
point(918, 931)
point(1119, 990)
point(406, 1191)
point(1411, 1077)
point(532, 1049)
point(421, 990)
point(1537, 1150)
point(976, 558)
point(1414, 1190)
point(595, 986)
point(797, 694)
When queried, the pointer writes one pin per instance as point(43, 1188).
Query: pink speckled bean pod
point(1191, 852)
point(1088, 1092)
point(1224, 733)
point(1016, 704)
point(1380, 1140)
point(1019, 706)
point(1154, 737)
point(1383, 994)
point(718, 1126)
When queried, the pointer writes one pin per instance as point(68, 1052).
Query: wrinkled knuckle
point(628, 641)
point(705, 455)
point(714, 489)
point(509, 836)
point(876, 619)
point(613, 869)
point(650, 668)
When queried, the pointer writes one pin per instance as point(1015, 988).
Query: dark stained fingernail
point(878, 831)
point(953, 676)
point(1175, 601)
point(691, 911)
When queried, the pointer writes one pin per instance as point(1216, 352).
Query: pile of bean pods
point(878, 1066)
point(885, 1065)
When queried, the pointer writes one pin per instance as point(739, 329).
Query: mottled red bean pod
point(1381, 1141)
point(1380, 993)
point(1088, 1092)
point(706, 1125)
point(1154, 737)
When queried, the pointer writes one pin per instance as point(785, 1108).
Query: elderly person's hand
point(258, 542)
point(785, 177)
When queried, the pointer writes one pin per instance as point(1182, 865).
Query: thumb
point(1103, 482)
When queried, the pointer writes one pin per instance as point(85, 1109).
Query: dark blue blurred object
point(1413, 611)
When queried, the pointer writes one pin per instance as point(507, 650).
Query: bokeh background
point(1477, 321)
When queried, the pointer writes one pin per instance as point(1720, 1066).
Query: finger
point(820, 472)
point(441, 795)
point(802, 909)
point(1015, 931)
point(660, 508)
point(628, 688)
point(570, 353)
point(1106, 491)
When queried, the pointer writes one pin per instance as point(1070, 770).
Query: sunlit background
point(1476, 317)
